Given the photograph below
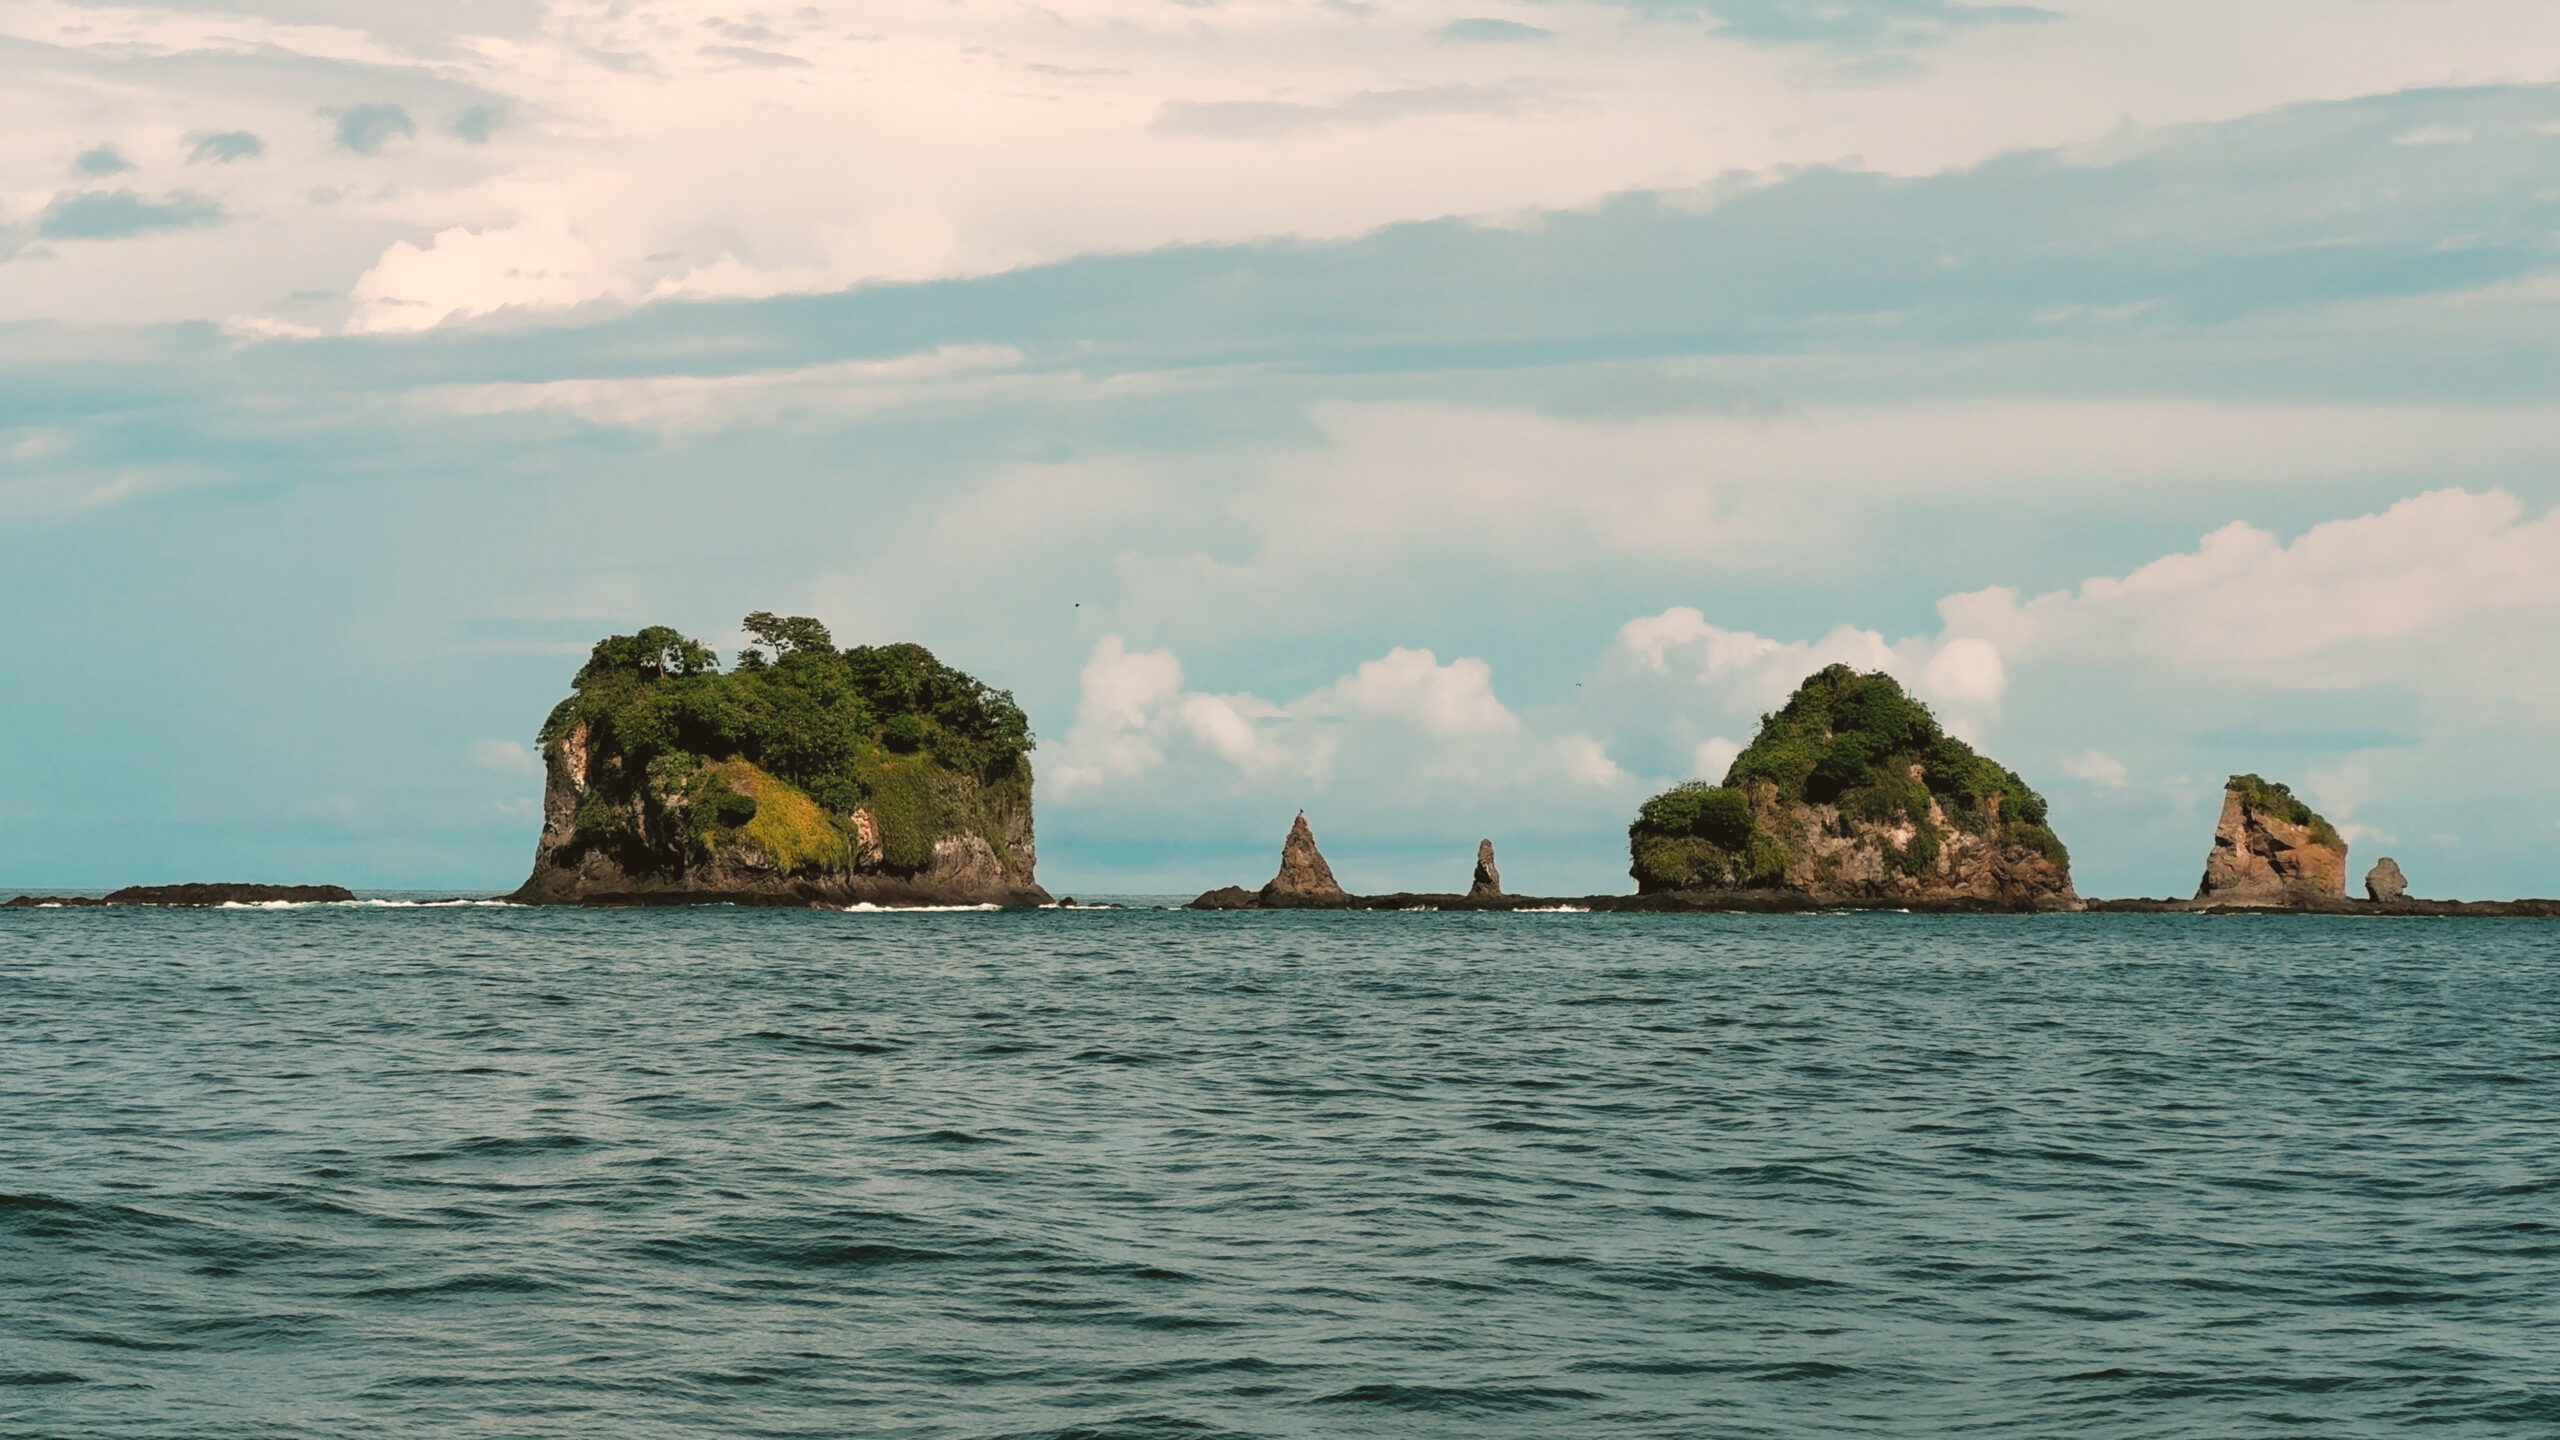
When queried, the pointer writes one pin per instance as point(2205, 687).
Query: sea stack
point(2385, 882)
point(1852, 793)
point(2271, 850)
point(1305, 882)
point(1487, 884)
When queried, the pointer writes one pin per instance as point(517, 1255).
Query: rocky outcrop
point(1487, 884)
point(1833, 856)
point(1305, 881)
point(198, 896)
point(2384, 882)
point(645, 848)
point(1852, 794)
point(2271, 850)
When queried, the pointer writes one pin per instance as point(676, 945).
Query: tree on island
point(868, 728)
point(1852, 787)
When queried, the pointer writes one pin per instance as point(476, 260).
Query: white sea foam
point(865, 907)
point(1553, 910)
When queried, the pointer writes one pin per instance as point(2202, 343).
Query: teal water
point(482, 1172)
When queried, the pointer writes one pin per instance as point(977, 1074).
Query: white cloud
point(673, 403)
point(2095, 766)
point(507, 757)
point(1747, 673)
point(2243, 597)
point(1403, 729)
point(1715, 755)
point(1123, 697)
point(541, 264)
point(267, 327)
point(33, 444)
point(1965, 672)
point(2341, 791)
point(918, 138)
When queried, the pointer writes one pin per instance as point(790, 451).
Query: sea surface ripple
point(339, 1171)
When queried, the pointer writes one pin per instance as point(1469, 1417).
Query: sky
point(1452, 419)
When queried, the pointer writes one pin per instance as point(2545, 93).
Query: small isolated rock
point(1488, 881)
point(2385, 882)
point(2271, 850)
point(1304, 878)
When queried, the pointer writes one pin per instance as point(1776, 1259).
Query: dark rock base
point(833, 893)
point(197, 896)
point(1675, 902)
point(2340, 905)
point(1797, 902)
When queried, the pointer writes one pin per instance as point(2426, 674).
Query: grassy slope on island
point(781, 749)
point(1844, 739)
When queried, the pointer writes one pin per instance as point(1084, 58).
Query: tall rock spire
point(1304, 879)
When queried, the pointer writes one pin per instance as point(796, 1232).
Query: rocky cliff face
point(639, 848)
point(807, 777)
point(2384, 882)
point(2271, 849)
point(1833, 855)
point(1852, 793)
point(1487, 882)
point(1305, 881)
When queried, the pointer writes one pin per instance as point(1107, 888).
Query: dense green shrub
point(1709, 812)
point(2041, 840)
point(904, 734)
point(1919, 857)
point(2270, 797)
point(1846, 739)
point(901, 802)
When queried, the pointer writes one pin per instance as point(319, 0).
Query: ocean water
point(340, 1171)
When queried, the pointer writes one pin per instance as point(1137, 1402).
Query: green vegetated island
point(809, 775)
point(803, 775)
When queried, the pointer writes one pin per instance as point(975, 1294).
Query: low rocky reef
point(803, 776)
point(193, 896)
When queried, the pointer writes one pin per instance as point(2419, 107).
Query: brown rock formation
point(1487, 884)
point(647, 858)
point(199, 896)
point(1852, 793)
point(1305, 881)
point(1834, 858)
point(2271, 850)
point(2384, 882)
